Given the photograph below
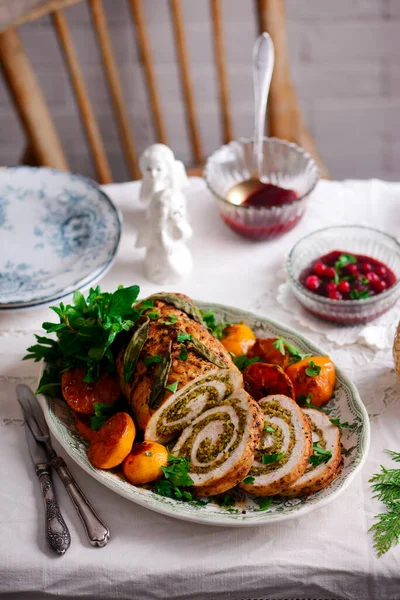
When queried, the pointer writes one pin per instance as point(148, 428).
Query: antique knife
point(96, 530)
point(57, 534)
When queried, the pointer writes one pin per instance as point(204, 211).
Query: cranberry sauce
point(270, 195)
point(343, 276)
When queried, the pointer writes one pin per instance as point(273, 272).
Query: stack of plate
point(58, 232)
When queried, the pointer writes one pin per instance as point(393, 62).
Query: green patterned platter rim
point(346, 406)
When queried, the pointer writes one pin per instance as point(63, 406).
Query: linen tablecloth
point(327, 554)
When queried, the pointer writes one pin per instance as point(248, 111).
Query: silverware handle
point(96, 530)
point(57, 533)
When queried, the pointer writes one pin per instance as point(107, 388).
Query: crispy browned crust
point(330, 473)
point(160, 336)
point(276, 486)
point(243, 466)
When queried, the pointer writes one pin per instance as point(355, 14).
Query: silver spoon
point(263, 65)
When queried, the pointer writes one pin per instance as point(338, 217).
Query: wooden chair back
point(44, 147)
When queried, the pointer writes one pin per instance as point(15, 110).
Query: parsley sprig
point(386, 487)
point(241, 362)
point(175, 479)
point(217, 329)
point(320, 455)
point(282, 345)
point(312, 370)
point(85, 334)
point(102, 412)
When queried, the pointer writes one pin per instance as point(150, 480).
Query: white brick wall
point(345, 60)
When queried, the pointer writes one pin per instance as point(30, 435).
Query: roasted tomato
point(264, 349)
point(81, 396)
point(262, 379)
point(315, 376)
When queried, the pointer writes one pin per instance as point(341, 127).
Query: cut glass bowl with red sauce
point(289, 172)
point(347, 274)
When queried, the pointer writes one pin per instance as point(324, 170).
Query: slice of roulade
point(326, 436)
point(284, 449)
point(184, 406)
point(220, 444)
point(168, 347)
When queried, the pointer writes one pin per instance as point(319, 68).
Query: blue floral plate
point(58, 232)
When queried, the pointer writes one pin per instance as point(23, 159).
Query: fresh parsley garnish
point(267, 459)
point(264, 502)
point(172, 387)
point(153, 315)
point(217, 329)
point(227, 500)
point(102, 412)
point(241, 362)
point(175, 477)
point(151, 360)
point(386, 487)
point(320, 455)
point(356, 295)
point(282, 345)
point(344, 260)
point(312, 370)
point(249, 480)
point(183, 336)
point(172, 319)
point(85, 334)
point(268, 428)
point(183, 353)
point(338, 423)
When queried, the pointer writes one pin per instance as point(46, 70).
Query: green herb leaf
point(312, 370)
point(172, 387)
point(344, 260)
point(338, 423)
point(177, 471)
point(217, 330)
point(386, 488)
point(282, 345)
point(227, 500)
point(183, 336)
point(267, 459)
point(206, 353)
point(180, 303)
point(279, 344)
point(151, 360)
point(336, 278)
point(264, 502)
point(134, 348)
point(242, 361)
point(183, 353)
point(268, 428)
point(102, 412)
point(153, 315)
point(249, 480)
point(320, 455)
point(159, 380)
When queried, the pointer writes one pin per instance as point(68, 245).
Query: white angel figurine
point(166, 229)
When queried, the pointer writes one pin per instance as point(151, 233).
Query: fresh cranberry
point(372, 277)
point(352, 269)
point(381, 271)
point(344, 286)
point(335, 295)
point(331, 287)
point(365, 267)
point(312, 282)
point(319, 269)
point(379, 285)
point(330, 272)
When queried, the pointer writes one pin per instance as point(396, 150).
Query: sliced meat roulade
point(284, 449)
point(220, 444)
point(183, 407)
point(169, 347)
point(323, 467)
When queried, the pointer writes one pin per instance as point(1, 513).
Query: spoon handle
point(263, 65)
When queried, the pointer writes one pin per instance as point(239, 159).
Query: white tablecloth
point(325, 555)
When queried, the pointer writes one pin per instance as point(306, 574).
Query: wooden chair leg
point(285, 119)
point(28, 157)
point(29, 102)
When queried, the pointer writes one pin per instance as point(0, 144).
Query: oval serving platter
point(58, 232)
point(346, 405)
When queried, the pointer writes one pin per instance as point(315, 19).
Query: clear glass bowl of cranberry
point(346, 274)
point(289, 175)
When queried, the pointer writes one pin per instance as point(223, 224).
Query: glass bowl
point(285, 164)
point(354, 239)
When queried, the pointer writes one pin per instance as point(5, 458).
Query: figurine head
point(160, 171)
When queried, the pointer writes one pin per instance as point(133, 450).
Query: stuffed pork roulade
point(284, 450)
point(169, 348)
point(220, 444)
point(326, 461)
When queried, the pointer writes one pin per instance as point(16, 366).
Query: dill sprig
point(386, 487)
